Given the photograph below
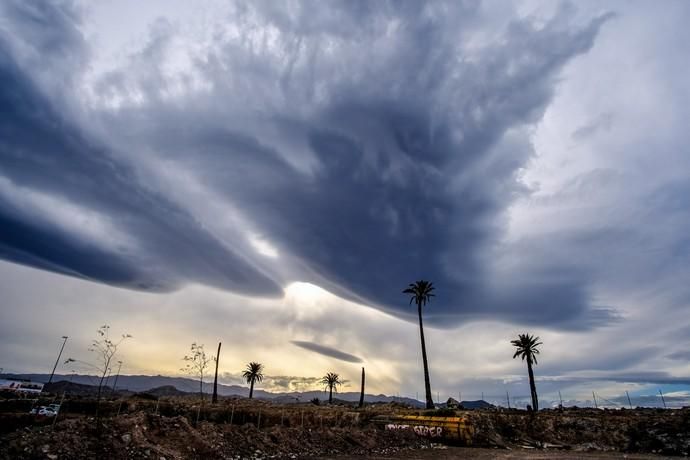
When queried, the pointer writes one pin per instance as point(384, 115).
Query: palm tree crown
point(254, 373)
point(420, 292)
point(331, 381)
point(526, 347)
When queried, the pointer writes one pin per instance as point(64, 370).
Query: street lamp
point(64, 341)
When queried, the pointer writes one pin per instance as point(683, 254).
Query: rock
point(126, 438)
point(52, 456)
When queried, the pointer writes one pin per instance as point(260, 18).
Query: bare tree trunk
point(427, 383)
point(361, 394)
point(330, 395)
point(98, 402)
point(100, 386)
point(214, 399)
point(532, 386)
point(251, 389)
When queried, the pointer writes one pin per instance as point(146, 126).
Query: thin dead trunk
point(98, 397)
point(214, 399)
point(361, 394)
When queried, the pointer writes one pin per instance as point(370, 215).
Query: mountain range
point(144, 383)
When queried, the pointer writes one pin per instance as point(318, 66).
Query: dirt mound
point(646, 430)
point(149, 436)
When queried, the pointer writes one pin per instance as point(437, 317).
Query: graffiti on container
point(393, 426)
point(430, 431)
point(420, 430)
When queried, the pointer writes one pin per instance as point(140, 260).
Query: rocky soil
point(641, 430)
point(147, 436)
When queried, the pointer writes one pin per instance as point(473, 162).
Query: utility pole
point(560, 397)
point(595, 400)
point(214, 398)
point(119, 366)
point(628, 395)
point(64, 341)
point(508, 399)
point(662, 398)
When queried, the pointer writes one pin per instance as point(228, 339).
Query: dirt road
point(456, 453)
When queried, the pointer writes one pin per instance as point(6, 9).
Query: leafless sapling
point(197, 363)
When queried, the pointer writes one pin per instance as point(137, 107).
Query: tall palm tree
point(254, 373)
point(527, 349)
point(421, 294)
point(331, 381)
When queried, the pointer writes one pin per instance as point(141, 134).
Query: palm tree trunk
point(251, 389)
point(427, 383)
point(532, 386)
point(361, 394)
point(330, 395)
point(214, 399)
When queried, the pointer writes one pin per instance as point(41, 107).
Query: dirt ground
point(133, 428)
point(475, 453)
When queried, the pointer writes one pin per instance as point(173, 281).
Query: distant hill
point(73, 388)
point(159, 385)
point(166, 390)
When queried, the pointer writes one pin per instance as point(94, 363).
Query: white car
point(48, 411)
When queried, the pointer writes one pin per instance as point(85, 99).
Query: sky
point(272, 175)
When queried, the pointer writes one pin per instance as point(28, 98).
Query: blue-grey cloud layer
point(392, 158)
point(327, 351)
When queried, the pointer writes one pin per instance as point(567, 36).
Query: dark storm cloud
point(682, 355)
point(43, 152)
point(327, 351)
point(387, 156)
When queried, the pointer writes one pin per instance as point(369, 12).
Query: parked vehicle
point(47, 411)
point(21, 386)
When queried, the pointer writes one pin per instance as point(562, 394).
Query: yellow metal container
point(446, 428)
